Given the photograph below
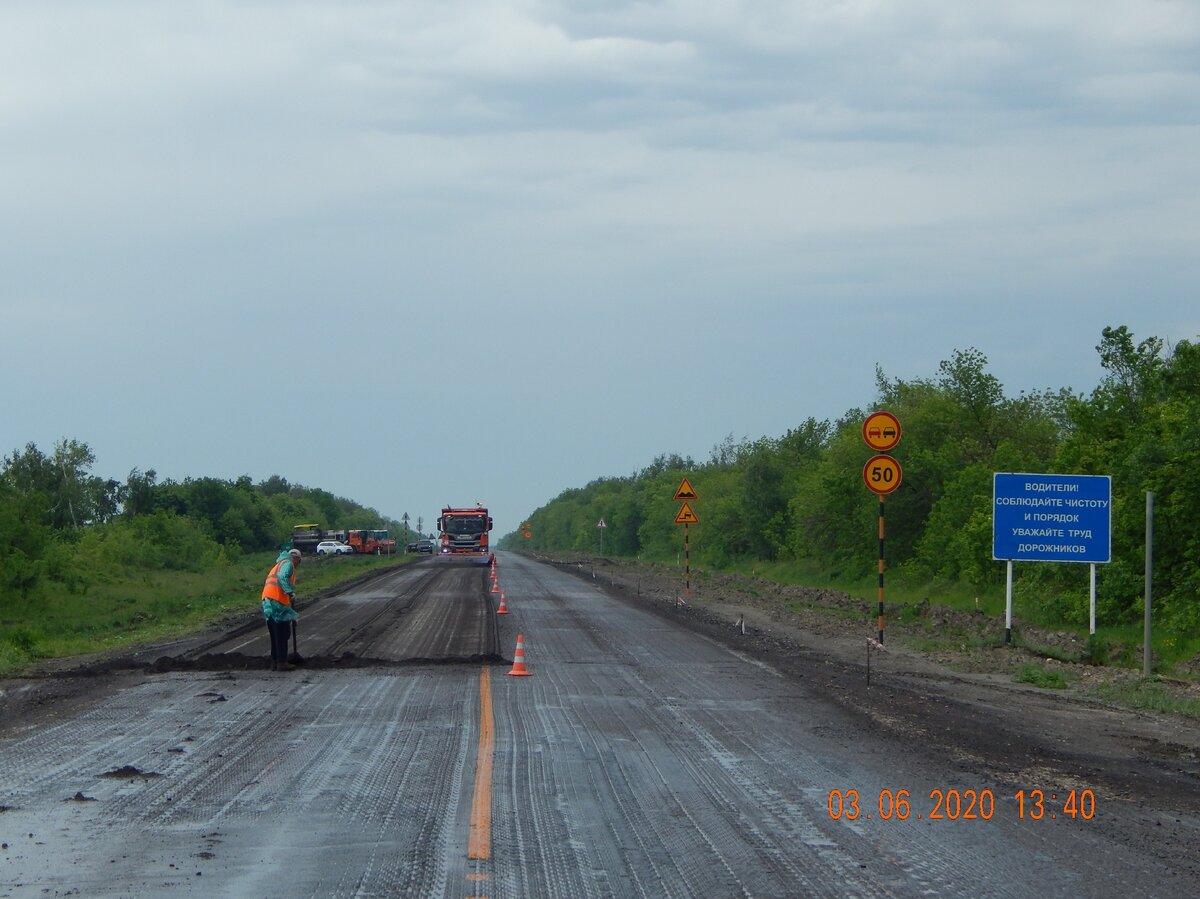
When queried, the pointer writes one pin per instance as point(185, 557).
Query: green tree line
point(62, 526)
point(799, 498)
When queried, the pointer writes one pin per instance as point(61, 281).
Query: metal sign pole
point(1008, 603)
point(1146, 666)
point(1092, 604)
point(686, 517)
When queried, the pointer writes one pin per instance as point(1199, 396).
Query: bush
point(1097, 650)
point(20, 576)
point(23, 541)
point(23, 640)
point(11, 659)
point(156, 542)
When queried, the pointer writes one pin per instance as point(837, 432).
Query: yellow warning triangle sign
point(686, 515)
point(685, 491)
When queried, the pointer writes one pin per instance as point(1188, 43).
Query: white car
point(333, 548)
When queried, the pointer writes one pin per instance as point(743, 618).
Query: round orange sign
point(881, 431)
point(882, 474)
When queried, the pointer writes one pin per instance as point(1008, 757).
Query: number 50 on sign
point(882, 474)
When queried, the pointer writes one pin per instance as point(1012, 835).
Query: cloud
point(661, 194)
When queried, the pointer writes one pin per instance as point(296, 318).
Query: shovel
point(295, 658)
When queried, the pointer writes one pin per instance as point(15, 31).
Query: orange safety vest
point(272, 589)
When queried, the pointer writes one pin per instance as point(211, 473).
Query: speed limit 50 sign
point(882, 474)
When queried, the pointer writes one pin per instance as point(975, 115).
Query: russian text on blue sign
point(1052, 517)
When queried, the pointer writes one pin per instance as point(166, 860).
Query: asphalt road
point(639, 758)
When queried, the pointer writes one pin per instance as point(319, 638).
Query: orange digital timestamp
point(961, 805)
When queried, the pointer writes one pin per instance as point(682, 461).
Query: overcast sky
point(424, 253)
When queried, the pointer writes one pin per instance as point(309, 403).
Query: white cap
point(294, 552)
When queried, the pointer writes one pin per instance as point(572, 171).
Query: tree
point(978, 395)
point(137, 496)
point(74, 498)
point(764, 500)
point(23, 542)
point(274, 485)
point(1134, 372)
point(29, 471)
point(74, 502)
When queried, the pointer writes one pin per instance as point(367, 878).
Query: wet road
point(638, 759)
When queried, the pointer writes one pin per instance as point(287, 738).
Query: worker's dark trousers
point(281, 632)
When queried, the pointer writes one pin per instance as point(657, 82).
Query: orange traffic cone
point(518, 667)
point(503, 610)
point(495, 586)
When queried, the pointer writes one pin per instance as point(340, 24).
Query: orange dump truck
point(464, 534)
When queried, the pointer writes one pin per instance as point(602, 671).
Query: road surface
point(638, 759)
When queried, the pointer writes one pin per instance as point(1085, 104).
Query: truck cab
point(464, 534)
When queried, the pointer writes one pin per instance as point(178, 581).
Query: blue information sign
point(1052, 517)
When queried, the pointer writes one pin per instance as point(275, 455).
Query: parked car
point(333, 548)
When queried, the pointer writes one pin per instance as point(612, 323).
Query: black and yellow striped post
point(687, 563)
point(686, 517)
point(879, 622)
point(882, 474)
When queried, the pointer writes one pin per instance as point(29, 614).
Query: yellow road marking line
point(479, 846)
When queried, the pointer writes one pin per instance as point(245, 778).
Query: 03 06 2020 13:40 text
point(961, 805)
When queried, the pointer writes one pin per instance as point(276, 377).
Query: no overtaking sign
point(1051, 517)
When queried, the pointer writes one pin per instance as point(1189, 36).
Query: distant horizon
point(430, 527)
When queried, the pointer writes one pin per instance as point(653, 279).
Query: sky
point(422, 254)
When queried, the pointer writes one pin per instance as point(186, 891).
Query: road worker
point(279, 606)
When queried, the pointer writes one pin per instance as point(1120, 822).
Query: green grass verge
point(1042, 677)
point(1148, 695)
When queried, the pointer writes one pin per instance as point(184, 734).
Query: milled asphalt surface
point(638, 759)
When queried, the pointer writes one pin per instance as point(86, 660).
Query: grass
point(1042, 677)
point(117, 613)
point(1149, 695)
point(832, 612)
point(949, 639)
point(931, 644)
